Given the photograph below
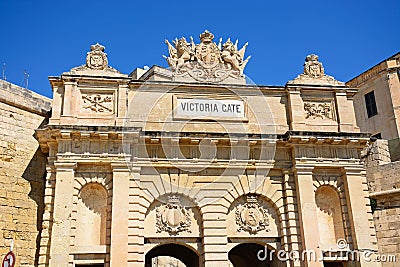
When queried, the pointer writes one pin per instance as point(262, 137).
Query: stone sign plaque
point(208, 108)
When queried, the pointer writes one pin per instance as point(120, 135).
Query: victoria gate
point(191, 166)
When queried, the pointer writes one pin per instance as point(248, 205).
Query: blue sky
point(47, 38)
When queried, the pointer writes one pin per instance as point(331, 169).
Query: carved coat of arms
point(207, 51)
point(172, 217)
point(96, 59)
point(207, 61)
point(312, 67)
point(314, 73)
point(251, 217)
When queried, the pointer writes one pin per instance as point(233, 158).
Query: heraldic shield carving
point(251, 217)
point(172, 217)
point(312, 67)
point(314, 73)
point(96, 60)
point(207, 61)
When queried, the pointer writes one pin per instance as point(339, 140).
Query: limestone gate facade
point(193, 163)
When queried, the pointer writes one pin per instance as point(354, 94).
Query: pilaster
point(63, 204)
point(69, 98)
point(360, 215)
point(345, 112)
point(122, 104)
point(308, 213)
point(137, 213)
point(119, 216)
point(296, 109)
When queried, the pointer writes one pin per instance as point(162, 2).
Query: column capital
point(340, 93)
point(124, 84)
point(303, 169)
point(124, 167)
point(293, 89)
point(353, 170)
point(70, 82)
point(120, 166)
point(65, 166)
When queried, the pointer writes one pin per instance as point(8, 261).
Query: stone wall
point(22, 168)
point(383, 80)
point(383, 178)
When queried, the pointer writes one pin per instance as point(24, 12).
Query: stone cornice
point(297, 88)
point(386, 193)
point(25, 99)
point(289, 135)
point(372, 72)
point(367, 75)
point(162, 85)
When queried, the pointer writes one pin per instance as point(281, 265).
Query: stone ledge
point(25, 99)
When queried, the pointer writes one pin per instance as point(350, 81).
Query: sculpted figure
point(207, 61)
point(231, 55)
point(182, 53)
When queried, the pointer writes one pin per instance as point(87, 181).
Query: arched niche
point(252, 215)
point(91, 216)
point(172, 215)
point(330, 219)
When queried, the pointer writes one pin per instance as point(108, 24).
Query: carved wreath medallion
point(172, 217)
point(251, 217)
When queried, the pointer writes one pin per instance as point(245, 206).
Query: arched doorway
point(250, 254)
point(184, 254)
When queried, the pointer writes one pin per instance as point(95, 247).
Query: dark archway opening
point(182, 253)
point(249, 254)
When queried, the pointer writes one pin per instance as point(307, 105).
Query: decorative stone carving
point(323, 110)
point(96, 59)
point(312, 67)
point(314, 73)
point(172, 217)
point(251, 217)
point(98, 103)
point(207, 61)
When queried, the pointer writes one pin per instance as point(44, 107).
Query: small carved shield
point(172, 217)
point(208, 53)
point(251, 217)
point(96, 60)
point(314, 70)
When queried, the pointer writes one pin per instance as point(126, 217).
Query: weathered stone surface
point(22, 167)
point(126, 173)
point(384, 184)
